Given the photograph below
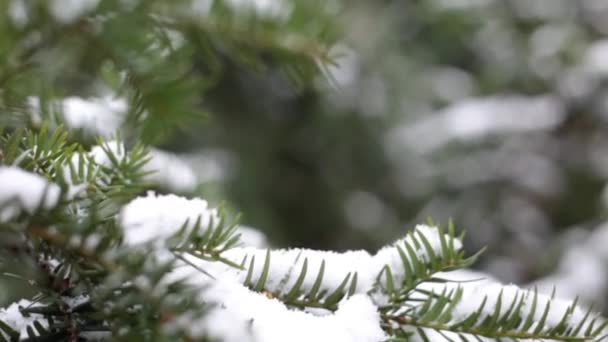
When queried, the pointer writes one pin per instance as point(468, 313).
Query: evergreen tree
point(105, 236)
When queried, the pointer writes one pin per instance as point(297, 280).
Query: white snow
point(286, 264)
point(67, 11)
point(275, 9)
point(240, 314)
point(243, 315)
point(22, 190)
point(155, 218)
point(347, 68)
point(465, 5)
point(581, 273)
point(101, 157)
point(165, 169)
point(595, 60)
point(17, 12)
point(102, 116)
point(170, 171)
point(13, 317)
point(200, 8)
point(252, 237)
point(211, 165)
point(73, 302)
point(475, 118)
point(74, 163)
point(390, 255)
point(452, 84)
point(477, 286)
point(97, 116)
point(475, 293)
point(582, 270)
point(86, 165)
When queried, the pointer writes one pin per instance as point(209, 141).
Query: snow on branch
point(243, 315)
point(280, 271)
point(156, 218)
point(100, 116)
point(17, 323)
point(170, 171)
point(402, 290)
point(96, 116)
point(161, 168)
point(482, 309)
point(24, 191)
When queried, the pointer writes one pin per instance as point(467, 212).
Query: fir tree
point(94, 245)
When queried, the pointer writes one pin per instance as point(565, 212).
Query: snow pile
point(286, 265)
point(24, 191)
point(17, 12)
point(242, 315)
point(101, 116)
point(96, 116)
point(594, 60)
point(266, 8)
point(157, 217)
point(64, 11)
point(252, 237)
point(13, 317)
point(68, 11)
point(170, 171)
point(154, 218)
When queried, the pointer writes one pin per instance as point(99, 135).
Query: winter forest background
point(338, 125)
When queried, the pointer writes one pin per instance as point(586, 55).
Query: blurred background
point(491, 113)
